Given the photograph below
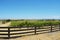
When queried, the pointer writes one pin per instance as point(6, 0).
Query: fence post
point(59, 26)
point(35, 30)
point(51, 27)
point(8, 32)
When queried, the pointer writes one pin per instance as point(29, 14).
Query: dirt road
point(5, 25)
point(47, 36)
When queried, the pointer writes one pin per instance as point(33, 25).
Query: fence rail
point(14, 32)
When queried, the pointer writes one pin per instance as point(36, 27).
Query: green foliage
point(27, 23)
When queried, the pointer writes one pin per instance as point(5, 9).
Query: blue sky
point(29, 9)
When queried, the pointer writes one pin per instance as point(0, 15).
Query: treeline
point(5, 21)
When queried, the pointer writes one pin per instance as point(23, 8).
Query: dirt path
point(5, 25)
point(46, 36)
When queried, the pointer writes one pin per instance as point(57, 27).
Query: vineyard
point(29, 27)
point(34, 23)
point(0, 22)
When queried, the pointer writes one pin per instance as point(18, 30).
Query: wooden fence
point(14, 32)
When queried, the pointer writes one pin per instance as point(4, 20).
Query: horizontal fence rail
point(14, 32)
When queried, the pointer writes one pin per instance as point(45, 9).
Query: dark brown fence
point(14, 32)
